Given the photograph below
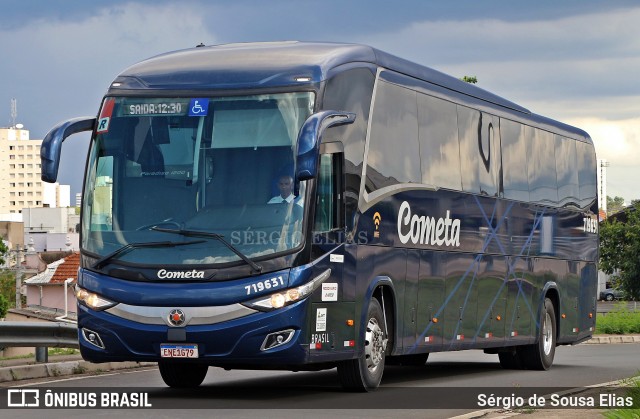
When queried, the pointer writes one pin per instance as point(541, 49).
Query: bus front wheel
point(365, 372)
point(182, 375)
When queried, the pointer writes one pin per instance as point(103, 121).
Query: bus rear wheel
point(539, 356)
point(182, 375)
point(365, 372)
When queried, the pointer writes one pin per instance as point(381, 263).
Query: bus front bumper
point(256, 339)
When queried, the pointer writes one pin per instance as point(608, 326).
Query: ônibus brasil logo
point(422, 229)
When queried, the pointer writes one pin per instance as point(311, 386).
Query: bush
point(4, 306)
point(620, 321)
point(8, 286)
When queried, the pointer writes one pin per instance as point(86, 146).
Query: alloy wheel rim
point(547, 334)
point(374, 347)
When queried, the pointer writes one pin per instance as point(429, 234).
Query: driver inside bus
point(286, 196)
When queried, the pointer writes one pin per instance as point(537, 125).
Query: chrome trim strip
point(290, 333)
point(193, 315)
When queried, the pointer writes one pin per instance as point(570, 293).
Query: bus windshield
point(219, 165)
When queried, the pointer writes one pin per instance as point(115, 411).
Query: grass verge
point(620, 321)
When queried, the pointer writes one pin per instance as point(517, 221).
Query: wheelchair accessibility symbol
point(199, 107)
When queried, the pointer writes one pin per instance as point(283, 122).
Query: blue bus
point(305, 206)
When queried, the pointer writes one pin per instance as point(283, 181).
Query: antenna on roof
point(200, 45)
point(14, 112)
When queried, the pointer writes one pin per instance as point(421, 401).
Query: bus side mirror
point(52, 144)
point(310, 137)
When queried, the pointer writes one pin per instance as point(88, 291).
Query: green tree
point(4, 300)
point(3, 252)
point(4, 306)
point(620, 250)
point(470, 79)
point(614, 204)
point(8, 286)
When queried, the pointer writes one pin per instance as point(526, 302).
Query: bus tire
point(511, 359)
point(539, 356)
point(182, 375)
point(365, 372)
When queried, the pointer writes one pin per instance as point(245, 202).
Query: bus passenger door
point(337, 303)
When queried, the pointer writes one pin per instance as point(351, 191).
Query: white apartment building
point(20, 183)
point(20, 170)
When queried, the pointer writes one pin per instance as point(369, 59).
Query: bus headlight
point(289, 296)
point(93, 300)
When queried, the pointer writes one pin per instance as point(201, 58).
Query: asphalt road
point(450, 385)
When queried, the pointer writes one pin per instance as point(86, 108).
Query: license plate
point(168, 350)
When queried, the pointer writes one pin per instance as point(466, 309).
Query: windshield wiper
point(126, 248)
point(219, 237)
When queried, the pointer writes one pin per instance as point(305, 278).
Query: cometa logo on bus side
point(427, 230)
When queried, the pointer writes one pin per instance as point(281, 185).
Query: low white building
point(49, 229)
point(53, 288)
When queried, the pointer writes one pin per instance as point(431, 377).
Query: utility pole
point(602, 186)
point(18, 252)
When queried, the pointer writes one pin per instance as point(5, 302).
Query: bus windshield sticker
point(198, 107)
point(336, 258)
point(105, 116)
point(321, 320)
point(330, 291)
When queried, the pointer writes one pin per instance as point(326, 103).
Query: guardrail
point(605, 307)
point(40, 335)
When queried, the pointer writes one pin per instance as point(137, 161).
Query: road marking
point(61, 380)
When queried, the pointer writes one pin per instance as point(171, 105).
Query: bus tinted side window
point(568, 189)
point(490, 162)
point(468, 131)
point(514, 158)
point(329, 193)
point(350, 91)
point(541, 166)
point(586, 162)
point(394, 155)
point(439, 147)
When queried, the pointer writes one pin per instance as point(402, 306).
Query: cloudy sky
point(577, 61)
